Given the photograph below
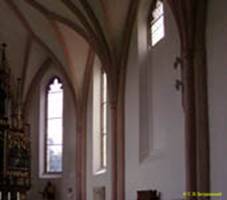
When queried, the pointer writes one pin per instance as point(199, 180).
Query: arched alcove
point(65, 181)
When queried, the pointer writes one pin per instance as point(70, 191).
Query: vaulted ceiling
point(65, 31)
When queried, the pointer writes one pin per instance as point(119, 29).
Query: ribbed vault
point(70, 33)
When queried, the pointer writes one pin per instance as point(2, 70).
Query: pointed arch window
point(156, 28)
point(54, 127)
point(100, 120)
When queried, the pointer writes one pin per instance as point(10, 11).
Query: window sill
point(155, 154)
point(100, 172)
point(50, 176)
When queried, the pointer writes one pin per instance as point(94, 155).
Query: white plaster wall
point(67, 180)
point(77, 53)
point(36, 58)
point(217, 77)
point(164, 167)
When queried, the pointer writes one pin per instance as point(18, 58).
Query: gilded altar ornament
point(15, 174)
point(4, 83)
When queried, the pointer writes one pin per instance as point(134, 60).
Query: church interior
point(113, 99)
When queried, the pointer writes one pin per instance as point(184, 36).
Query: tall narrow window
point(156, 23)
point(54, 127)
point(100, 128)
point(103, 114)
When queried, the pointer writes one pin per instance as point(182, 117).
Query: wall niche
point(99, 193)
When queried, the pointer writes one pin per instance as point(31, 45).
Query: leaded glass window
point(54, 127)
point(156, 23)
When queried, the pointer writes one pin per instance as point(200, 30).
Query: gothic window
point(103, 119)
point(156, 28)
point(54, 127)
point(100, 130)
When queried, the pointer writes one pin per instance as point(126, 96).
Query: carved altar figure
point(49, 191)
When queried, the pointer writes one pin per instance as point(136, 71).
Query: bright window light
point(54, 133)
point(157, 23)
